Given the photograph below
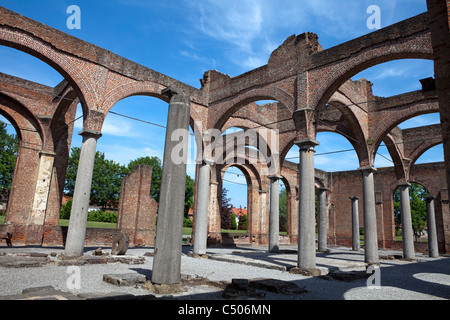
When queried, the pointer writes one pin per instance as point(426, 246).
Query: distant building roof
point(239, 211)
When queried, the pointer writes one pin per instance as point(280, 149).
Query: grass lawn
point(90, 224)
point(186, 231)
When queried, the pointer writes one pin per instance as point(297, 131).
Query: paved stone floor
point(37, 273)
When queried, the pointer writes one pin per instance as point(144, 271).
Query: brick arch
point(384, 125)
point(21, 118)
point(254, 185)
point(351, 128)
point(251, 173)
point(221, 112)
point(70, 67)
point(130, 89)
point(421, 150)
point(140, 88)
point(62, 115)
point(287, 147)
point(266, 157)
point(396, 154)
point(328, 79)
point(149, 89)
point(29, 132)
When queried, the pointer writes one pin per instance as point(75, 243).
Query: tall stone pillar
point(306, 209)
point(80, 204)
point(274, 214)
point(201, 215)
point(433, 250)
point(370, 221)
point(322, 220)
point(355, 224)
point(407, 230)
point(169, 231)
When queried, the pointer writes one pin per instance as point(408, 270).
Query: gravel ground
point(428, 279)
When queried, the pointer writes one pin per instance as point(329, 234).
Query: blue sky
point(183, 39)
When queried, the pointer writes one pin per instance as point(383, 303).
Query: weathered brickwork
point(313, 93)
point(137, 208)
point(349, 184)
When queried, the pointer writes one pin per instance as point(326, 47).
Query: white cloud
point(236, 22)
point(119, 127)
point(124, 154)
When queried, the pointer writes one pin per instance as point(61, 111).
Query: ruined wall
point(348, 184)
point(137, 208)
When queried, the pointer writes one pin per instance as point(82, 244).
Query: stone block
point(124, 279)
point(120, 244)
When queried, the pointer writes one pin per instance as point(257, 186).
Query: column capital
point(87, 133)
point(274, 177)
point(403, 184)
point(47, 153)
point(171, 91)
point(354, 198)
point(306, 144)
point(208, 162)
point(429, 198)
point(367, 169)
point(323, 189)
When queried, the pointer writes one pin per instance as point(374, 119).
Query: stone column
point(169, 231)
point(355, 224)
point(370, 221)
point(202, 206)
point(433, 250)
point(306, 208)
point(78, 217)
point(274, 214)
point(322, 220)
point(407, 230)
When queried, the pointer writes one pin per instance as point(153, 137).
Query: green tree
point(233, 222)
point(155, 187)
point(189, 195)
point(242, 225)
point(417, 194)
point(106, 179)
point(8, 150)
point(225, 209)
point(283, 209)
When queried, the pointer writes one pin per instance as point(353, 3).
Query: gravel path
point(428, 279)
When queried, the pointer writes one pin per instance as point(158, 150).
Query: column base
point(307, 272)
point(197, 255)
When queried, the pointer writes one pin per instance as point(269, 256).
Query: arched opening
point(133, 133)
point(234, 201)
point(394, 78)
point(397, 77)
point(334, 153)
point(25, 66)
point(417, 194)
point(383, 157)
point(40, 85)
point(285, 207)
point(9, 143)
